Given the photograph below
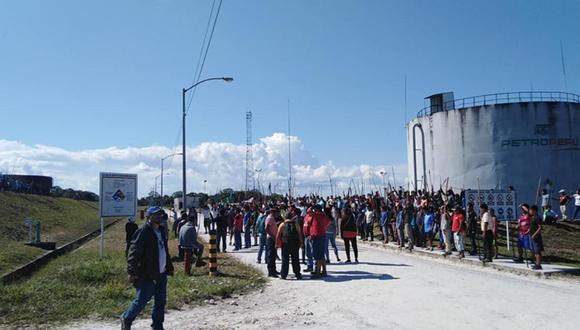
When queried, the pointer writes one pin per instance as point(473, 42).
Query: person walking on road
point(348, 233)
point(289, 239)
point(148, 265)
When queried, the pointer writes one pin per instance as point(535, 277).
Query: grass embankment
point(81, 285)
point(62, 220)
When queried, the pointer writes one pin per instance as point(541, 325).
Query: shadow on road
point(368, 263)
point(353, 275)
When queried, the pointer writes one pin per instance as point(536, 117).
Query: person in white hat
point(564, 199)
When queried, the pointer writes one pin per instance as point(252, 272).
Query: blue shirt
point(428, 222)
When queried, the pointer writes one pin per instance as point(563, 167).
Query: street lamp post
point(205, 187)
point(183, 92)
point(163, 159)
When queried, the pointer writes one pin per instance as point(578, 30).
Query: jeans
point(401, 235)
point(247, 237)
point(146, 289)
point(459, 241)
point(271, 255)
point(576, 212)
point(308, 247)
point(262, 246)
point(221, 236)
point(330, 239)
point(563, 212)
point(385, 230)
point(237, 240)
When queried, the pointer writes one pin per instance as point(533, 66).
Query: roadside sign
point(28, 222)
point(118, 195)
point(503, 202)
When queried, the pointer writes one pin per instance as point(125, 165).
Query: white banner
point(118, 195)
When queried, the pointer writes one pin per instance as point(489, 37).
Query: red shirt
point(319, 223)
point(524, 223)
point(307, 223)
point(238, 222)
point(456, 222)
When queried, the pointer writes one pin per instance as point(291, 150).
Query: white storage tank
point(505, 139)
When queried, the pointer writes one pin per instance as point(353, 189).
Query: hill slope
point(62, 220)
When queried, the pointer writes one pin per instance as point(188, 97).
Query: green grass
point(81, 285)
point(62, 220)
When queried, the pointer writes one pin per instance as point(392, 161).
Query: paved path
point(387, 290)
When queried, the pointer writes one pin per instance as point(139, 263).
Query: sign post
point(503, 202)
point(117, 198)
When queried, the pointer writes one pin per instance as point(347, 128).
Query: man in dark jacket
point(148, 265)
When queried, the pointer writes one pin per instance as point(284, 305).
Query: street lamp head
point(228, 79)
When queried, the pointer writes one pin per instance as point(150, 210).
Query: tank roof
point(499, 98)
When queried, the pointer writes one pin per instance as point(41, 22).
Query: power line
point(192, 94)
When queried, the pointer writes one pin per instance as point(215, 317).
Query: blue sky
point(85, 75)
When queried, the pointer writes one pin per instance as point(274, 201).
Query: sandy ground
point(387, 291)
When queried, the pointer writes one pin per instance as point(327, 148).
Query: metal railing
point(500, 98)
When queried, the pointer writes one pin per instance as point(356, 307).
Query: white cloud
point(221, 164)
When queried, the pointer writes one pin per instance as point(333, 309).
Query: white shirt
point(486, 218)
point(369, 216)
point(162, 253)
point(577, 199)
point(445, 223)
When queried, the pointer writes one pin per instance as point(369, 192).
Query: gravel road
point(387, 291)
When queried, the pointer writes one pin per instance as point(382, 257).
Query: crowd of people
point(305, 230)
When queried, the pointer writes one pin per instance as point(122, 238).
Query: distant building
point(31, 184)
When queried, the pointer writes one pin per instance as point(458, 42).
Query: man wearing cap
point(148, 265)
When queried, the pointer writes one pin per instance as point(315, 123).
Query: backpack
point(290, 235)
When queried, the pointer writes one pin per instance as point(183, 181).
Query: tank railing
point(501, 98)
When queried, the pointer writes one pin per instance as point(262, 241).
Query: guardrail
point(500, 98)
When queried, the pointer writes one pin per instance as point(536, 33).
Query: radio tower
point(250, 183)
